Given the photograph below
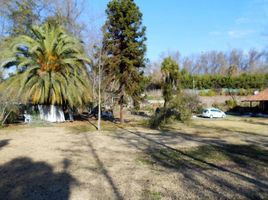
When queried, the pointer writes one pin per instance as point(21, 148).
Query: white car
point(213, 113)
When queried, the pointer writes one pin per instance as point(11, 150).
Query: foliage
point(232, 71)
point(1, 76)
point(231, 103)
point(184, 104)
point(124, 41)
point(9, 109)
point(245, 81)
point(180, 108)
point(51, 68)
point(21, 15)
point(221, 106)
point(209, 93)
point(178, 105)
point(170, 73)
point(208, 81)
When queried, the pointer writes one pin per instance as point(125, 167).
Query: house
point(261, 98)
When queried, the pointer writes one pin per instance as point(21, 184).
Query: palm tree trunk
point(51, 113)
point(71, 116)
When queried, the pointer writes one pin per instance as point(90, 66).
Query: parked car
point(213, 113)
point(105, 113)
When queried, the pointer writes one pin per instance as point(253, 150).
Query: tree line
point(213, 69)
point(217, 62)
point(209, 81)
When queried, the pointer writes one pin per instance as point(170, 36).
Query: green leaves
point(124, 42)
point(52, 68)
point(170, 73)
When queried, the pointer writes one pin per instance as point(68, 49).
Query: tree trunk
point(5, 118)
point(71, 116)
point(121, 113)
point(99, 105)
point(51, 113)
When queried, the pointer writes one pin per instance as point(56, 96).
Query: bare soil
point(206, 159)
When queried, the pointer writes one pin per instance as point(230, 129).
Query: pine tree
point(124, 41)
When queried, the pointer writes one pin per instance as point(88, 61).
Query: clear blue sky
point(193, 26)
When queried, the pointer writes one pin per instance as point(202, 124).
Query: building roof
point(262, 96)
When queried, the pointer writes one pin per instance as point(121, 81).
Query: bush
point(231, 103)
point(219, 106)
point(202, 93)
point(245, 92)
point(9, 114)
point(209, 93)
point(160, 118)
point(180, 108)
point(9, 109)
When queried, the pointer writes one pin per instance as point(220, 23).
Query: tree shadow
point(243, 160)
point(103, 169)
point(228, 166)
point(225, 129)
point(24, 179)
point(4, 143)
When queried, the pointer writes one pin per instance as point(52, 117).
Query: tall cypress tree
point(124, 42)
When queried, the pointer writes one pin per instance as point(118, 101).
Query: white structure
point(51, 113)
point(27, 118)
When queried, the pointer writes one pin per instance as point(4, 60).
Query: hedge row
point(208, 81)
point(218, 81)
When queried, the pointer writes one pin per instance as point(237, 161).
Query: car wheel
point(211, 116)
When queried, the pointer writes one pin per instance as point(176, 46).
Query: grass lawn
point(205, 159)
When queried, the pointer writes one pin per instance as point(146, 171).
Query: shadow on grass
point(4, 143)
point(75, 150)
point(25, 179)
point(225, 129)
point(103, 169)
point(235, 169)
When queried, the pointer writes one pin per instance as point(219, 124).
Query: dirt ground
point(206, 159)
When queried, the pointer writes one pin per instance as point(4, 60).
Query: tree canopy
point(51, 68)
point(170, 73)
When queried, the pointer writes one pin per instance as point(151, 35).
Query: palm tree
point(50, 68)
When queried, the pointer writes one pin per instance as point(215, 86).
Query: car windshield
point(215, 110)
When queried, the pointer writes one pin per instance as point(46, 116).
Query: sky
point(195, 26)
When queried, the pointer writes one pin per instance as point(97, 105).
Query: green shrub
point(202, 93)
point(180, 108)
point(9, 113)
point(211, 93)
point(231, 103)
point(12, 117)
point(208, 81)
point(158, 119)
point(222, 93)
point(219, 106)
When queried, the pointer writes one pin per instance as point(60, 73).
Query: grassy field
point(205, 159)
